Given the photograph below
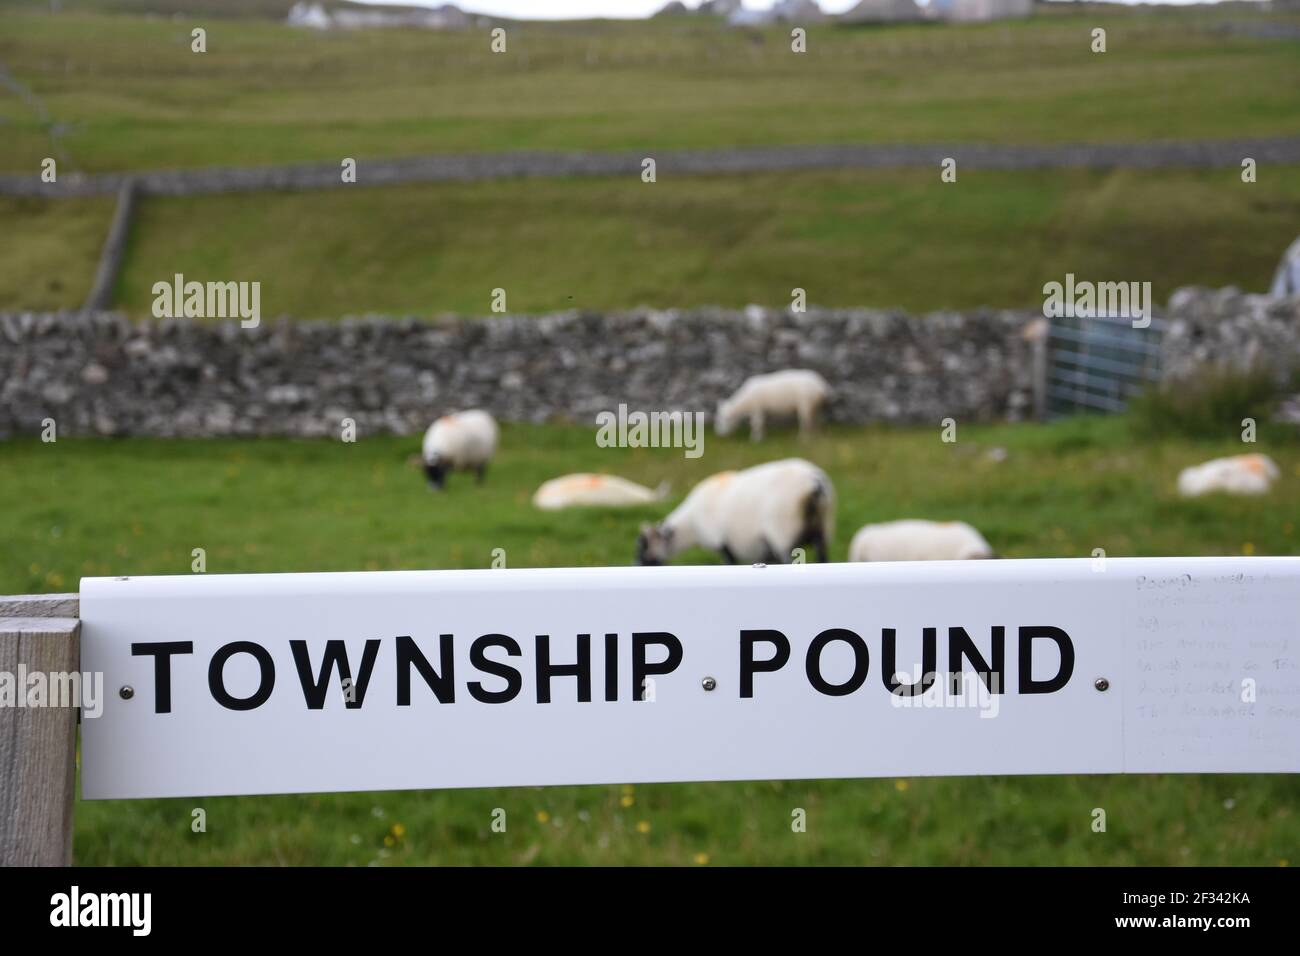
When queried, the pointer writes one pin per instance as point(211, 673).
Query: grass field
point(125, 92)
point(139, 507)
point(49, 250)
point(898, 238)
point(128, 93)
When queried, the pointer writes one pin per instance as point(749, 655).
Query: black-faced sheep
point(462, 441)
point(759, 514)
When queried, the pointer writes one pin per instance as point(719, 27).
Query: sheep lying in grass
point(918, 541)
point(594, 491)
point(795, 392)
point(759, 514)
point(1250, 474)
point(462, 441)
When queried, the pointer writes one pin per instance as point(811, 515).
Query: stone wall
point(727, 160)
point(98, 373)
point(1227, 327)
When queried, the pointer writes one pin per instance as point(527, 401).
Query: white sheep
point(913, 540)
point(1286, 281)
point(1250, 474)
point(759, 514)
point(461, 441)
point(596, 491)
point(797, 392)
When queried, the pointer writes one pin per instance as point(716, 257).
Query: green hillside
point(128, 93)
point(112, 92)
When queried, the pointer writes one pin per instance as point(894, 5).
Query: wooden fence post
point(39, 633)
point(1037, 333)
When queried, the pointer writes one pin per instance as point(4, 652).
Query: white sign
point(247, 684)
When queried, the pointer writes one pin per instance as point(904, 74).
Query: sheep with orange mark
point(461, 441)
point(594, 491)
point(1251, 474)
point(759, 514)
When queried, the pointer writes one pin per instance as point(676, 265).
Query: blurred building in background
point(317, 16)
point(970, 10)
point(884, 11)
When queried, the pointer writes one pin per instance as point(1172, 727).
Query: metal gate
point(1096, 364)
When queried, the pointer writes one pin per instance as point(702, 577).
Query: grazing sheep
point(919, 541)
point(796, 392)
point(759, 514)
point(1238, 475)
point(1286, 281)
point(462, 441)
point(598, 491)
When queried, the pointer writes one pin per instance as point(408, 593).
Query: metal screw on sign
point(708, 683)
point(127, 692)
point(1101, 684)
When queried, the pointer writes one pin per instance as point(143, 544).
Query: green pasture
point(90, 507)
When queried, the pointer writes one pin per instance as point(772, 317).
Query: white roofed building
point(884, 11)
point(783, 11)
point(975, 10)
point(359, 17)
